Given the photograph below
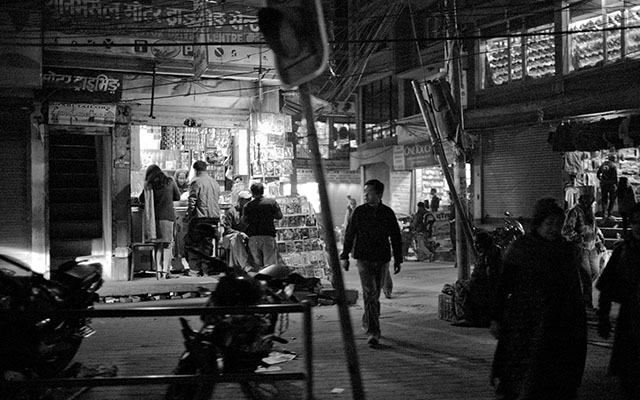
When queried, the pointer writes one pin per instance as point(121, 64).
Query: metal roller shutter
point(15, 230)
point(518, 168)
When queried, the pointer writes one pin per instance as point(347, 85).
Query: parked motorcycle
point(234, 343)
point(42, 347)
point(510, 231)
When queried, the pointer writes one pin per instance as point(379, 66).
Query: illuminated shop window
point(633, 32)
point(602, 35)
point(507, 58)
point(540, 53)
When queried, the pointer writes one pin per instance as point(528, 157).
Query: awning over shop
point(603, 134)
point(362, 157)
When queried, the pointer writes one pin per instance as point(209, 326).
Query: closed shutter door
point(518, 168)
point(15, 238)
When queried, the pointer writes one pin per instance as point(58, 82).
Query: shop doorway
point(77, 195)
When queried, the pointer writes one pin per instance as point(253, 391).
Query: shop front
point(514, 167)
point(586, 143)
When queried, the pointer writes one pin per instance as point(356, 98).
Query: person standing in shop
point(347, 214)
point(203, 216)
point(259, 215)
point(620, 283)
point(181, 177)
point(372, 233)
point(608, 176)
point(435, 200)
point(580, 228)
point(160, 191)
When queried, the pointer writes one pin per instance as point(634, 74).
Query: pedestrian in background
point(435, 200)
point(372, 233)
point(160, 191)
point(351, 205)
point(620, 283)
point(203, 216)
point(580, 227)
point(608, 175)
point(626, 200)
point(259, 215)
point(419, 230)
point(540, 319)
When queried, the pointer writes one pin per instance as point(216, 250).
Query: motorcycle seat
point(82, 273)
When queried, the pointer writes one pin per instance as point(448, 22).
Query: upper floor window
point(524, 53)
point(379, 108)
point(603, 31)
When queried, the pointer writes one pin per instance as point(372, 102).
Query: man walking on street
point(373, 225)
point(258, 217)
point(203, 216)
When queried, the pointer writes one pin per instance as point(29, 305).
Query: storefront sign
point(83, 84)
point(241, 56)
point(234, 26)
point(82, 114)
point(147, 31)
point(412, 156)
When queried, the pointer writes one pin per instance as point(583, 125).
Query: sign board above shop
point(82, 85)
point(82, 114)
point(206, 38)
point(417, 155)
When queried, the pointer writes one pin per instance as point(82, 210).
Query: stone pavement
point(420, 356)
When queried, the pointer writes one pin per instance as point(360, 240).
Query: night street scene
point(320, 199)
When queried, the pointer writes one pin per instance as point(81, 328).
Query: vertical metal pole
point(460, 172)
point(330, 241)
point(442, 158)
point(153, 91)
point(308, 350)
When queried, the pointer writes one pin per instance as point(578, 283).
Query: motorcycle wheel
point(54, 365)
point(185, 391)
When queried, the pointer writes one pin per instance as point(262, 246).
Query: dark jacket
point(258, 216)
point(163, 201)
point(542, 348)
point(204, 194)
point(620, 282)
point(369, 233)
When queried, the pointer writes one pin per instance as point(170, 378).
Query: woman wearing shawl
point(160, 191)
point(620, 282)
point(540, 319)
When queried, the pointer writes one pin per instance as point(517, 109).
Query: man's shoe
point(387, 295)
point(170, 276)
point(373, 340)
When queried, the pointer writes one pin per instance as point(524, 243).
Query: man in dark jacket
point(258, 217)
point(372, 226)
point(608, 176)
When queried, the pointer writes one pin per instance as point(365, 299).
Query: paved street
point(420, 357)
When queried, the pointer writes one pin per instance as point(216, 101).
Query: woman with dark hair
point(620, 283)
point(540, 318)
point(160, 191)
